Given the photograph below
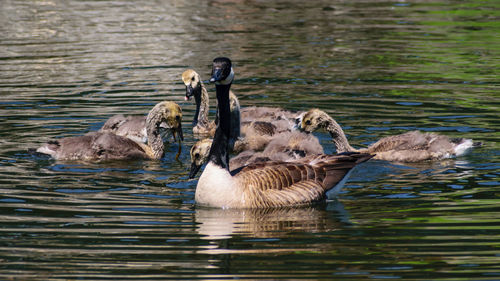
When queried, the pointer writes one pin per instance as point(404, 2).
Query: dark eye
point(196, 155)
point(177, 117)
point(192, 78)
point(308, 122)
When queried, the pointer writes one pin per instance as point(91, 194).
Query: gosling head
point(165, 117)
point(192, 81)
point(199, 155)
point(222, 71)
point(313, 120)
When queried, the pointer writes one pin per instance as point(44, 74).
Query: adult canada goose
point(266, 184)
point(286, 146)
point(412, 146)
point(102, 146)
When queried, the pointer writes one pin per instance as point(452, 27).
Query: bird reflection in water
point(216, 223)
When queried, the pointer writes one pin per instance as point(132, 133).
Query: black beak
point(189, 92)
point(216, 75)
point(194, 170)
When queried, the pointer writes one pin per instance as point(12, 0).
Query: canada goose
point(102, 146)
point(266, 184)
point(286, 146)
point(412, 146)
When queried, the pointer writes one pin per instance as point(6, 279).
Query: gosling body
point(413, 146)
point(104, 146)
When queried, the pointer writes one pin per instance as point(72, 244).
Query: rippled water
point(380, 68)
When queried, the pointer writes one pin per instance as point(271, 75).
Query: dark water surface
point(379, 67)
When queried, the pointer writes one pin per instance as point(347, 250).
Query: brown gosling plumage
point(285, 146)
point(265, 184)
point(412, 146)
point(270, 114)
point(103, 146)
point(131, 126)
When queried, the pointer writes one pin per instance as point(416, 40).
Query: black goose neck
point(219, 151)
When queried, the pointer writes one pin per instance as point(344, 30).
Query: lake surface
point(378, 67)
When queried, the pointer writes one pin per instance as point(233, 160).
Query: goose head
point(192, 81)
point(199, 155)
point(222, 71)
point(164, 119)
point(313, 120)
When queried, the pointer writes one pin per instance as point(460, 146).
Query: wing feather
point(278, 184)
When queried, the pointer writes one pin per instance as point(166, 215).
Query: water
point(380, 68)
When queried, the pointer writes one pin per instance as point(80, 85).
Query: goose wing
point(278, 184)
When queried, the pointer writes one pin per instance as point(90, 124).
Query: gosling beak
point(174, 131)
point(298, 126)
point(189, 92)
point(194, 170)
point(301, 129)
point(177, 132)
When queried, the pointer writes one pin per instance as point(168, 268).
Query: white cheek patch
point(228, 79)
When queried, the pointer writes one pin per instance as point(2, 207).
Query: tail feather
point(337, 167)
point(50, 148)
point(477, 144)
point(35, 153)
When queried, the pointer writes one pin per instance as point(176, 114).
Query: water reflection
point(268, 223)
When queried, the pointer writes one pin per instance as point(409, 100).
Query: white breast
point(217, 188)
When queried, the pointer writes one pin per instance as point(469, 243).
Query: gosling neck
point(234, 107)
point(338, 136)
point(155, 140)
point(202, 103)
point(219, 151)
